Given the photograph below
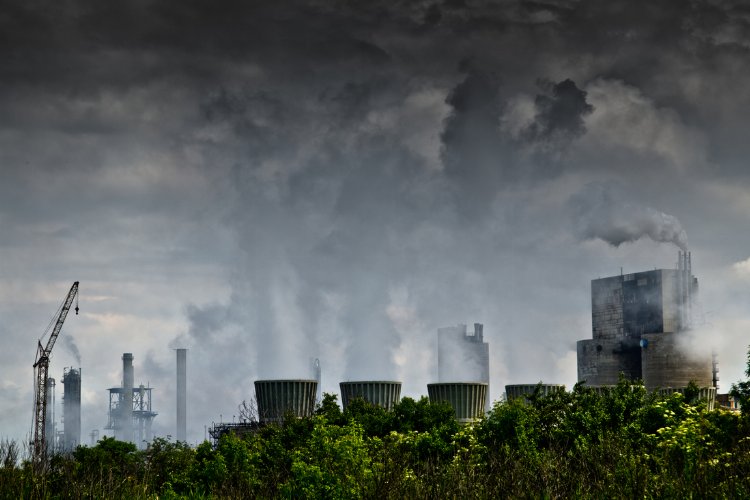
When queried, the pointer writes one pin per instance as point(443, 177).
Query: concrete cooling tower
point(378, 392)
point(517, 391)
point(467, 398)
point(276, 398)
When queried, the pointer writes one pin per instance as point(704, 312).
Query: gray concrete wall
point(667, 364)
point(606, 308)
point(600, 361)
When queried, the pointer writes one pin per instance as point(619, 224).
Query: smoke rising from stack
point(70, 344)
point(601, 211)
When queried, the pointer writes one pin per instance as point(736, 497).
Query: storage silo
point(383, 393)
point(466, 398)
point(276, 398)
point(516, 391)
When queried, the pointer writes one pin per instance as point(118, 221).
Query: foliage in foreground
point(623, 442)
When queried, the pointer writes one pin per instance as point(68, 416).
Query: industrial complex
point(640, 330)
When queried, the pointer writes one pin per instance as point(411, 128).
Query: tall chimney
point(126, 404)
point(181, 433)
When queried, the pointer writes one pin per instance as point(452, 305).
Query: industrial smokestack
point(181, 433)
point(126, 404)
point(316, 371)
point(50, 427)
point(71, 408)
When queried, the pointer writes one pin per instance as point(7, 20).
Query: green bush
point(617, 443)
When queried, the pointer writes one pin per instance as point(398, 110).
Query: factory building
point(464, 357)
point(639, 322)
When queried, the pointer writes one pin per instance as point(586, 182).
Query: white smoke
point(601, 211)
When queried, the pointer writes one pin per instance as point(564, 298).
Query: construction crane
point(41, 367)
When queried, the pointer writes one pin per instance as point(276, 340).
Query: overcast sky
point(265, 182)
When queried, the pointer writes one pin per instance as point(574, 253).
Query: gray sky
point(265, 182)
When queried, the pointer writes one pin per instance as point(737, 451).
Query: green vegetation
point(624, 442)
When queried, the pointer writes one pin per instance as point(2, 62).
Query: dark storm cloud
point(473, 152)
point(560, 113)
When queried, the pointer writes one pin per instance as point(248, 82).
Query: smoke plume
point(70, 345)
point(601, 211)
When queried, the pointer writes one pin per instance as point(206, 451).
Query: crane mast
point(41, 368)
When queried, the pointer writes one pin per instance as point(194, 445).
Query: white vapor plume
point(601, 211)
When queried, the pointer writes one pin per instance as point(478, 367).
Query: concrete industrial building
point(464, 357)
point(638, 325)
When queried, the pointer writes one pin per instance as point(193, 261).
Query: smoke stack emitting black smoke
point(601, 212)
point(70, 344)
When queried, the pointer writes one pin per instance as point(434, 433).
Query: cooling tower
point(276, 398)
point(378, 392)
point(71, 408)
point(466, 398)
point(707, 394)
point(523, 390)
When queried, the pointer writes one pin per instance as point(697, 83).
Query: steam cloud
point(601, 212)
